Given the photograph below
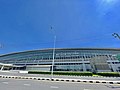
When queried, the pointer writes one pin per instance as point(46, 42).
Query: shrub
point(63, 73)
point(38, 72)
point(109, 74)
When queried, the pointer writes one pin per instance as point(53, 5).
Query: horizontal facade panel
point(84, 59)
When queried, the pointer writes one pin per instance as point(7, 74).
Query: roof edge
point(116, 49)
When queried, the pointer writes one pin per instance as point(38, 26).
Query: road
point(15, 84)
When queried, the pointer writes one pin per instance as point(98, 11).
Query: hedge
point(109, 74)
point(63, 73)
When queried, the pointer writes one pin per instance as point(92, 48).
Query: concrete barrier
point(26, 72)
point(61, 79)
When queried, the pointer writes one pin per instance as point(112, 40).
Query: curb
point(61, 79)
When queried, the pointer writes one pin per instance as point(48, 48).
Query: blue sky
point(25, 24)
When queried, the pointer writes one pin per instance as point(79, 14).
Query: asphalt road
point(14, 84)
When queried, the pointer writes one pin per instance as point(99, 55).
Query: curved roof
point(111, 49)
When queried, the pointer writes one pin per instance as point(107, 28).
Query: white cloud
point(108, 2)
point(105, 6)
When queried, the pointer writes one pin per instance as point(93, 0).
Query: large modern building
point(65, 59)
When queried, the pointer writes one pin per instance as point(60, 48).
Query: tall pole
point(53, 53)
point(116, 35)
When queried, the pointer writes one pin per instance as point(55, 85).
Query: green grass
point(95, 75)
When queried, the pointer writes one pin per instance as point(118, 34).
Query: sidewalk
point(84, 79)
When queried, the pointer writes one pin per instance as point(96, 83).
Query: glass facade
point(67, 59)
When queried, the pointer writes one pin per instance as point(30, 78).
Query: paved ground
point(14, 84)
point(66, 77)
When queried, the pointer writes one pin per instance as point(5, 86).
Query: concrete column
point(111, 64)
point(2, 67)
point(92, 63)
point(84, 67)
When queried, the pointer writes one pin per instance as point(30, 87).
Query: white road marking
point(5, 82)
point(53, 87)
point(27, 84)
point(86, 89)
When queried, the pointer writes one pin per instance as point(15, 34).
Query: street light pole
point(116, 35)
point(53, 54)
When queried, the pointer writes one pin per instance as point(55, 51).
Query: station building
point(65, 59)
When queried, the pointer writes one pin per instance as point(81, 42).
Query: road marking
point(53, 87)
point(5, 82)
point(27, 84)
point(86, 89)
